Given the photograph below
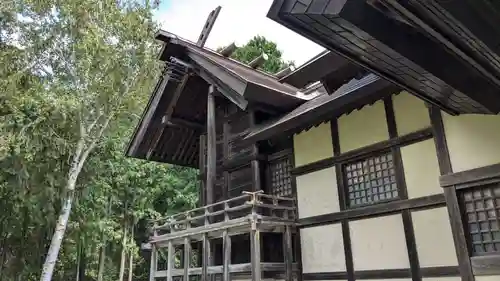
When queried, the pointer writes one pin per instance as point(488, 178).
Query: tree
point(255, 47)
point(94, 55)
point(67, 64)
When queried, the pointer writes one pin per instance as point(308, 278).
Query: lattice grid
point(481, 209)
point(371, 180)
point(281, 177)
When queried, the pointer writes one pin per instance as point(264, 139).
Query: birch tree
point(94, 55)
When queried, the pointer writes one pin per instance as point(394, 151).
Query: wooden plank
point(170, 260)
point(472, 177)
point(427, 272)
point(427, 202)
point(450, 194)
point(234, 268)
point(486, 265)
point(211, 146)
point(207, 28)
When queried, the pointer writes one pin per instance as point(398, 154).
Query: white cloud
point(238, 21)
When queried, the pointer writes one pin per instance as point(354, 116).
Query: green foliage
point(69, 69)
point(72, 69)
point(255, 47)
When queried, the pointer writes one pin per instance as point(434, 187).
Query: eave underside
point(394, 49)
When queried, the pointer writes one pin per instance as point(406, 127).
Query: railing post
point(187, 250)
point(170, 260)
point(255, 242)
point(287, 250)
point(227, 247)
point(154, 256)
point(206, 259)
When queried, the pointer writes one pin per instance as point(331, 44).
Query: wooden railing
point(249, 203)
point(251, 213)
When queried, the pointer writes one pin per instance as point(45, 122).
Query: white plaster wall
point(442, 279)
point(317, 193)
point(313, 145)
point(363, 127)
point(322, 249)
point(433, 236)
point(488, 278)
point(473, 140)
point(421, 169)
point(410, 112)
point(379, 243)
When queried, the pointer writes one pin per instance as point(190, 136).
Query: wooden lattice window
point(280, 175)
point(371, 180)
point(481, 206)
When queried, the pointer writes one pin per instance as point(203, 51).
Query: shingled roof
point(177, 141)
point(346, 98)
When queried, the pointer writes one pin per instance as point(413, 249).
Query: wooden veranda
point(250, 214)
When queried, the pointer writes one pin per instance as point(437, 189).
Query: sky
point(238, 21)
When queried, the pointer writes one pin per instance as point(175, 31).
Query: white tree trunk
point(81, 154)
point(55, 245)
point(124, 253)
point(131, 257)
point(102, 259)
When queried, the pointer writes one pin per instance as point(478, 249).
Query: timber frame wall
point(403, 205)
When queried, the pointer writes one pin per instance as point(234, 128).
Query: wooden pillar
point(450, 195)
point(255, 164)
point(187, 258)
point(211, 145)
point(203, 171)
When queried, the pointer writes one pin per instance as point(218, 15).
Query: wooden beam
point(175, 97)
point(177, 122)
point(228, 50)
point(450, 194)
point(413, 137)
point(258, 61)
point(211, 145)
point(207, 28)
point(284, 72)
point(393, 207)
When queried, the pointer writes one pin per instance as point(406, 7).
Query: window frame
point(361, 159)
